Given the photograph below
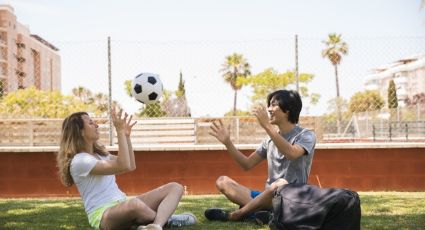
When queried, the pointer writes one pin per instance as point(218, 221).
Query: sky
point(210, 30)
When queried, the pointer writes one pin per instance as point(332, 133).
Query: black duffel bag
point(303, 206)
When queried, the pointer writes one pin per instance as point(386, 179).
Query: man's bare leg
point(234, 191)
point(262, 201)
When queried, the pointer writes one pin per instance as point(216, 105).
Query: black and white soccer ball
point(147, 88)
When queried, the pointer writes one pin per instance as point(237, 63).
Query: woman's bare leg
point(126, 214)
point(155, 206)
point(163, 201)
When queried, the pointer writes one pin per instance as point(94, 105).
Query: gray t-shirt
point(291, 170)
point(95, 190)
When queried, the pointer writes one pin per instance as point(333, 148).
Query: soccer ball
point(147, 88)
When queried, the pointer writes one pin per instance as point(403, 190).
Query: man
point(288, 149)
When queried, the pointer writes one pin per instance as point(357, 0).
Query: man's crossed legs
point(248, 200)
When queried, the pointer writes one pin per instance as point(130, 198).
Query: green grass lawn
point(380, 210)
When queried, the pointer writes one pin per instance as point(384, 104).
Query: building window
point(20, 73)
point(36, 69)
point(20, 45)
point(20, 59)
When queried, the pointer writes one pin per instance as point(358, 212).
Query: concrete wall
point(32, 172)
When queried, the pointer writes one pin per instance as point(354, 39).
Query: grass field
point(380, 210)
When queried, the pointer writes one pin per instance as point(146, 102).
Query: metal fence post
point(407, 131)
point(31, 131)
point(111, 141)
point(237, 129)
point(296, 62)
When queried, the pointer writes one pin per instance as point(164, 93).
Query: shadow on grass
point(43, 214)
point(379, 211)
point(198, 204)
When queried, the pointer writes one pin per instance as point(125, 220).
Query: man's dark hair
point(288, 100)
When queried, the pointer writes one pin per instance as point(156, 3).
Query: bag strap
point(274, 222)
point(298, 134)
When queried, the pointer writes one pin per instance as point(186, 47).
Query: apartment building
point(25, 59)
point(408, 75)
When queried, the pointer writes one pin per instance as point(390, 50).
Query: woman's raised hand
point(119, 120)
point(129, 126)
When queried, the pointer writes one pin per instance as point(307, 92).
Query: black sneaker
point(263, 217)
point(217, 214)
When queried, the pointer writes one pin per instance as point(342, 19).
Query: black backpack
point(302, 206)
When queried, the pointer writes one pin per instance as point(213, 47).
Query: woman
point(86, 163)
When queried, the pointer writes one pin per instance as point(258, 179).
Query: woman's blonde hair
point(71, 143)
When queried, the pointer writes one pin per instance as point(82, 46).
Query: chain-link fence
point(353, 89)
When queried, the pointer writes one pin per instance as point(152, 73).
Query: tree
point(33, 103)
point(127, 87)
point(270, 80)
point(178, 107)
point(148, 110)
point(235, 66)
point(332, 116)
point(181, 91)
point(98, 100)
point(392, 95)
point(239, 113)
point(415, 100)
point(335, 48)
point(369, 100)
point(151, 110)
point(418, 102)
point(392, 99)
point(83, 93)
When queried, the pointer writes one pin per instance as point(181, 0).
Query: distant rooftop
point(40, 39)
point(6, 7)
point(402, 61)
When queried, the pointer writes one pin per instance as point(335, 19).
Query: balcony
point(372, 86)
point(3, 74)
point(20, 73)
point(20, 59)
point(20, 45)
point(400, 81)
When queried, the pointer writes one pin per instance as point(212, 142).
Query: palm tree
point(100, 100)
point(234, 67)
point(83, 93)
point(335, 48)
point(181, 91)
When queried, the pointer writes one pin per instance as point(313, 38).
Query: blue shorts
point(255, 193)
